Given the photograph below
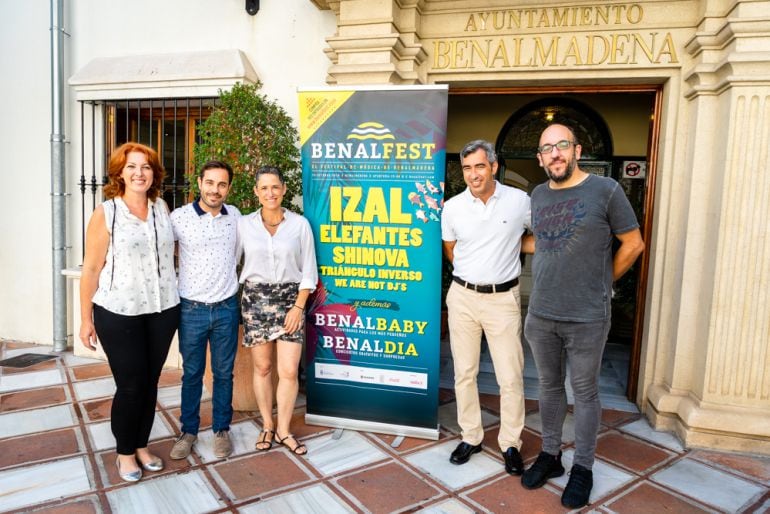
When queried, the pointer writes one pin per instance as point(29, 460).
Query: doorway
point(618, 130)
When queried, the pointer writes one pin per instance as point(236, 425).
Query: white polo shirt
point(207, 251)
point(488, 236)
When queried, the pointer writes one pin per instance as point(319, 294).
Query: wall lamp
point(252, 7)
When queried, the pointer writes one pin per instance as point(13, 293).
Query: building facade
point(673, 96)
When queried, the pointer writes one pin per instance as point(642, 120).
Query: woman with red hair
point(129, 299)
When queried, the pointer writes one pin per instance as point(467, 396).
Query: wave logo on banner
point(371, 130)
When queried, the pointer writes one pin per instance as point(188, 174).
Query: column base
point(702, 425)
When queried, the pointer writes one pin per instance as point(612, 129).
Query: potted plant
point(247, 130)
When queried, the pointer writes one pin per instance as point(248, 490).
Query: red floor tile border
point(37, 447)
point(751, 466)
point(245, 478)
point(508, 496)
point(630, 453)
point(649, 498)
point(387, 488)
point(32, 398)
point(89, 371)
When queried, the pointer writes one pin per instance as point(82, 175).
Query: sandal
point(298, 449)
point(265, 438)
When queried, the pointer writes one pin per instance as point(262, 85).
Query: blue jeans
point(555, 345)
point(200, 324)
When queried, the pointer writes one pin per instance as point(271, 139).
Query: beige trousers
point(498, 315)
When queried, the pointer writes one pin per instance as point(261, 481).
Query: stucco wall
point(284, 43)
point(25, 128)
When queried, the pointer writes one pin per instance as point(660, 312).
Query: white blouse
point(286, 256)
point(138, 276)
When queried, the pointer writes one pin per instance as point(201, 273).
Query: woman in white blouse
point(279, 273)
point(128, 297)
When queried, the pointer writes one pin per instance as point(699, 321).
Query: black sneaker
point(546, 466)
point(578, 489)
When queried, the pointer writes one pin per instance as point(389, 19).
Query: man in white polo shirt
point(205, 231)
point(481, 230)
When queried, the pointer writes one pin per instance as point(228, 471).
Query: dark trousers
point(556, 345)
point(136, 348)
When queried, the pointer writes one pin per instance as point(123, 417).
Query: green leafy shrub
point(247, 130)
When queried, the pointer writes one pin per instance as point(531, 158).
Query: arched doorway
point(516, 143)
point(519, 137)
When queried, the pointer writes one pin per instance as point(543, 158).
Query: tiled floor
point(57, 455)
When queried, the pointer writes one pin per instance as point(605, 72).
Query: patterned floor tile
point(72, 360)
point(36, 420)
point(36, 447)
point(317, 499)
point(189, 493)
point(91, 371)
point(387, 488)
point(708, 485)
point(249, 477)
point(31, 380)
point(31, 485)
point(97, 410)
point(629, 452)
point(92, 389)
point(351, 450)
point(435, 462)
point(508, 496)
point(87, 505)
point(752, 466)
point(647, 498)
point(32, 398)
point(641, 428)
point(447, 507)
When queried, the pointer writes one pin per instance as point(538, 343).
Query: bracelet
point(300, 308)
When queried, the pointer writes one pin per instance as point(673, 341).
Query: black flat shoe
point(463, 453)
point(513, 463)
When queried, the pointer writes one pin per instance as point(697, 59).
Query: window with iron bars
point(169, 125)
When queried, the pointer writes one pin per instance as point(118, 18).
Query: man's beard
point(571, 164)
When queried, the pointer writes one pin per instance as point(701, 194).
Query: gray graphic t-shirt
point(572, 265)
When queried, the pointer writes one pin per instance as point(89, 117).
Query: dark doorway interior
point(615, 129)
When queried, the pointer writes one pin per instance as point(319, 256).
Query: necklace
point(273, 224)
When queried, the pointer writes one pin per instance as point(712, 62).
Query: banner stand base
point(372, 426)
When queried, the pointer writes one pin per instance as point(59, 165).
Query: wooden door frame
point(653, 140)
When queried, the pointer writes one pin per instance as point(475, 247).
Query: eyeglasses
point(561, 145)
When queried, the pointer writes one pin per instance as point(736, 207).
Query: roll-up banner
point(373, 164)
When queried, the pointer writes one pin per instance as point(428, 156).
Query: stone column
point(376, 43)
point(711, 366)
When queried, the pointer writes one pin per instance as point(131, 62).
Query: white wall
point(284, 42)
point(25, 129)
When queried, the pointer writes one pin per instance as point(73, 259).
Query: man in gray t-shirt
point(575, 218)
